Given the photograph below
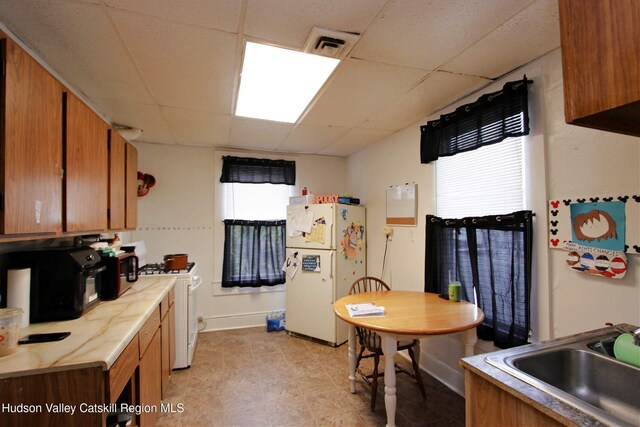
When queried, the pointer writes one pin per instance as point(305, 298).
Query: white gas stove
point(186, 315)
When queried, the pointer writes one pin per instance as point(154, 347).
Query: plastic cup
point(624, 349)
point(9, 330)
point(454, 291)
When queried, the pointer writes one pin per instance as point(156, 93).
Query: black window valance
point(258, 171)
point(491, 119)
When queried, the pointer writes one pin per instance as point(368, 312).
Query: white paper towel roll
point(19, 291)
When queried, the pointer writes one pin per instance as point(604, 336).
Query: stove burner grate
point(158, 268)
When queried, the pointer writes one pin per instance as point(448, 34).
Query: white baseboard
point(452, 378)
point(235, 321)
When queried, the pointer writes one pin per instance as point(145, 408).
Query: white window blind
point(486, 181)
point(256, 201)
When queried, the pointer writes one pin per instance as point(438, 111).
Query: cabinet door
point(116, 181)
point(131, 186)
point(601, 63)
point(150, 391)
point(31, 177)
point(172, 335)
point(166, 353)
point(86, 168)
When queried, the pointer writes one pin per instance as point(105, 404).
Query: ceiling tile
point(197, 127)
point(425, 34)
point(354, 141)
point(184, 66)
point(358, 89)
point(289, 22)
point(311, 139)
point(78, 41)
point(170, 67)
point(257, 134)
point(219, 14)
point(530, 34)
point(435, 92)
point(141, 116)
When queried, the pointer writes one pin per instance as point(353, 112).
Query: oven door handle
point(197, 281)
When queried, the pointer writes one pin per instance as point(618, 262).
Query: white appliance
point(186, 327)
point(329, 259)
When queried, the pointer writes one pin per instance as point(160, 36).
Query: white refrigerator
point(323, 262)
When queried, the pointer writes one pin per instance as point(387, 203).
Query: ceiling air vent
point(334, 44)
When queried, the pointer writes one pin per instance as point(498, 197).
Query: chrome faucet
point(636, 337)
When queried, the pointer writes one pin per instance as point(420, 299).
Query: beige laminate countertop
point(96, 339)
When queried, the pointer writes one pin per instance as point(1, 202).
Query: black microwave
point(65, 282)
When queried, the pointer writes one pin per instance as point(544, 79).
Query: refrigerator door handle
point(333, 237)
point(331, 270)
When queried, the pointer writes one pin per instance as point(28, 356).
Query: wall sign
point(600, 222)
point(311, 263)
point(402, 205)
point(597, 232)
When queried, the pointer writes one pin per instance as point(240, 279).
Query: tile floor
point(248, 377)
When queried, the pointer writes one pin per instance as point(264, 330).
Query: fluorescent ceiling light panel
point(278, 84)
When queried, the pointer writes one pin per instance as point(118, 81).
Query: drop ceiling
point(172, 68)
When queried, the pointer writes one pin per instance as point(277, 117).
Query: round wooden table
point(408, 315)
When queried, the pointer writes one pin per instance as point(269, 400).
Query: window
point(486, 181)
point(482, 236)
point(256, 201)
point(254, 220)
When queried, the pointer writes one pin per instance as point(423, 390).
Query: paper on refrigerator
point(318, 231)
point(291, 263)
point(299, 220)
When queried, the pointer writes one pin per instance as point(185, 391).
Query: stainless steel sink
point(572, 371)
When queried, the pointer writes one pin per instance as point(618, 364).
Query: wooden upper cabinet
point(131, 186)
point(117, 163)
point(86, 168)
point(601, 63)
point(30, 146)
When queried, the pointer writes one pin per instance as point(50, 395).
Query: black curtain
point(254, 253)
point(491, 255)
point(491, 119)
point(258, 171)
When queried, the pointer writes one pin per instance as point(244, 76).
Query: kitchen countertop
point(96, 339)
point(555, 408)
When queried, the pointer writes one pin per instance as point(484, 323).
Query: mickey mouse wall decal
point(145, 182)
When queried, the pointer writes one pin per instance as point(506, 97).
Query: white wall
point(183, 214)
point(566, 161)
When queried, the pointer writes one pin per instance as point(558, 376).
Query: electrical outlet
point(387, 231)
point(200, 319)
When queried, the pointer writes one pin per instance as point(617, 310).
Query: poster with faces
point(598, 233)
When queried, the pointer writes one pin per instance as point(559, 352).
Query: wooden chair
point(372, 342)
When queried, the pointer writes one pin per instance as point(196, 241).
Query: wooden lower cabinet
point(150, 382)
point(172, 336)
point(134, 379)
point(167, 327)
point(65, 398)
point(490, 406)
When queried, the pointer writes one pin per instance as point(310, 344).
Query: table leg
point(469, 338)
point(390, 348)
point(352, 358)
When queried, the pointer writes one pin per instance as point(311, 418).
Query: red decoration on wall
point(145, 182)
